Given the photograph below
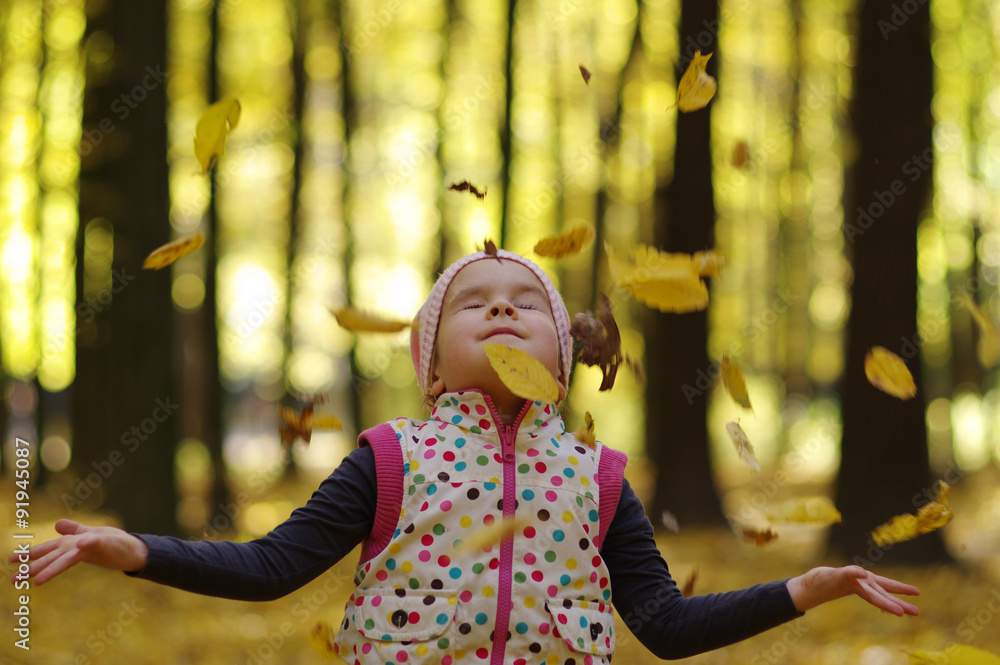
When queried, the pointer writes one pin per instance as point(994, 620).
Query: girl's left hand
point(823, 584)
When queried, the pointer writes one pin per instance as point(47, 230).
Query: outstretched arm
point(821, 585)
point(105, 546)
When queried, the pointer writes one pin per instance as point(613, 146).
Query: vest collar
point(474, 411)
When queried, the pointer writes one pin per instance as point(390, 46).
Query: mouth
point(500, 331)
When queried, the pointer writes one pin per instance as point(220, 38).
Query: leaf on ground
point(565, 244)
point(815, 510)
point(165, 255)
point(358, 321)
point(929, 517)
point(522, 374)
point(955, 654)
point(696, 87)
point(743, 447)
point(887, 372)
point(212, 130)
point(733, 382)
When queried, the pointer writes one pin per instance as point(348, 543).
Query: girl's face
point(500, 302)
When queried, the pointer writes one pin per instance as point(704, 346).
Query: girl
point(420, 494)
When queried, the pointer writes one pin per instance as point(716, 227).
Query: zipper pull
point(508, 444)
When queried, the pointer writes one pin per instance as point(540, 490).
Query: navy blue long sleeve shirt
point(341, 512)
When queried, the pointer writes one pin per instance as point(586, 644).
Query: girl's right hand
point(105, 546)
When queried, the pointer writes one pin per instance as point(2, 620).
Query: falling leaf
point(492, 534)
point(930, 517)
point(887, 372)
point(743, 447)
point(741, 154)
point(601, 341)
point(709, 263)
point(761, 537)
point(163, 256)
point(696, 88)
point(566, 244)
point(586, 74)
point(358, 321)
point(688, 589)
point(988, 346)
point(522, 374)
point(466, 186)
point(300, 424)
point(585, 434)
point(816, 510)
point(212, 129)
point(955, 654)
point(669, 520)
point(663, 281)
point(490, 248)
point(732, 380)
point(322, 638)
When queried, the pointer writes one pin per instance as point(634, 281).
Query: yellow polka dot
point(571, 564)
point(585, 481)
point(414, 465)
point(466, 521)
point(395, 548)
point(488, 592)
point(574, 461)
point(584, 604)
point(529, 602)
point(495, 480)
point(578, 585)
point(422, 650)
point(407, 566)
point(459, 654)
point(453, 600)
point(552, 660)
point(567, 516)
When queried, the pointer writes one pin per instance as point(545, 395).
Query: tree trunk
point(884, 465)
point(125, 398)
point(676, 433)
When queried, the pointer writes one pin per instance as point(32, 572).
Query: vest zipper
point(508, 435)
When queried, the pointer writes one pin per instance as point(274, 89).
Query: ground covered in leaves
point(95, 616)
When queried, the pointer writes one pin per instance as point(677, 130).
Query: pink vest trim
point(389, 485)
point(610, 476)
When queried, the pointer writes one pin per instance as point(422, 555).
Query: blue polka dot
point(568, 473)
point(442, 619)
point(528, 495)
point(406, 467)
point(432, 489)
point(459, 442)
point(489, 486)
point(593, 515)
point(481, 618)
point(460, 466)
point(521, 628)
point(558, 535)
point(456, 419)
point(583, 622)
point(455, 573)
point(391, 564)
point(564, 580)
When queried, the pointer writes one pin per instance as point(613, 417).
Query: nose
point(502, 307)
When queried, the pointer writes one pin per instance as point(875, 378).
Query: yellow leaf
point(817, 510)
point(664, 281)
point(212, 129)
point(887, 372)
point(930, 517)
point(743, 447)
point(988, 346)
point(322, 638)
point(586, 432)
point(709, 263)
point(955, 654)
point(688, 589)
point(696, 88)
point(565, 244)
point(300, 424)
point(487, 536)
point(522, 374)
point(732, 380)
point(163, 256)
point(358, 321)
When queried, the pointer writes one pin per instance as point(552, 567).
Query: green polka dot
point(520, 577)
point(476, 429)
point(478, 568)
point(414, 583)
point(443, 643)
point(438, 529)
point(369, 624)
point(418, 478)
point(523, 468)
point(550, 556)
point(482, 460)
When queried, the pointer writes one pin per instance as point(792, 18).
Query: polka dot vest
point(491, 554)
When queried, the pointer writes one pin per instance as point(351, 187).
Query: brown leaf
point(586, 74)
point(299, 424)
point(688, 590)
point(466, 186)
point(601, 341)
point(759, 537)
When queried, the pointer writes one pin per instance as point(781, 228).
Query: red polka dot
point(556, 480)
point(489, 519)
point(431, 441)
point(544, 629)
point(480, 409)
point(427, 540)
point(414, 617)
point(376, 601)
point(537, 576)
point(593, 577)
point(529, 559)
point(446, 505)
point(551, 496)
point(449, 456)
point(604, 582)
point(424, 507)
point(485, 424)
point(494, 564)
point(359, 601)
point(381, 576)
point(540, 467)
point(552, 590)
point(483, 653)
point(497, 458)
point(366, 647)
point(444, 560)
point(532, 452)
point(529, 532)
point(401, 656)
point(446, 660)
point(424, 556)
point(464, 408)
point(465, 596)
point(596, 561)
point(561, 618)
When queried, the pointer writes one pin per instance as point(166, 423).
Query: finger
point(69, 527)
point(67, 560)
point(37, 551)
point(883, 602)
point(897, 587)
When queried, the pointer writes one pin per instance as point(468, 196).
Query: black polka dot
point(400, 592)
point(437, 584)
point(543, 515)
point(409, 529)
point(465, 628)
point(429, 600)
point(443, 477)
point(580, 449)
point(473, 494)
point(567, 603)
point(584, 543)
point(535, 647)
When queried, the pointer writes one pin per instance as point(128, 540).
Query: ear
point(562, 387)
point(437, 383)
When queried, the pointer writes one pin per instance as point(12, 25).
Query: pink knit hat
point(423, 335)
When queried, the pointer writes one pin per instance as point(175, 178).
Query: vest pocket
point(400, 615)
point(585, 626)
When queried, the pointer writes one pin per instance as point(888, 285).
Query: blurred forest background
point(849, 167)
